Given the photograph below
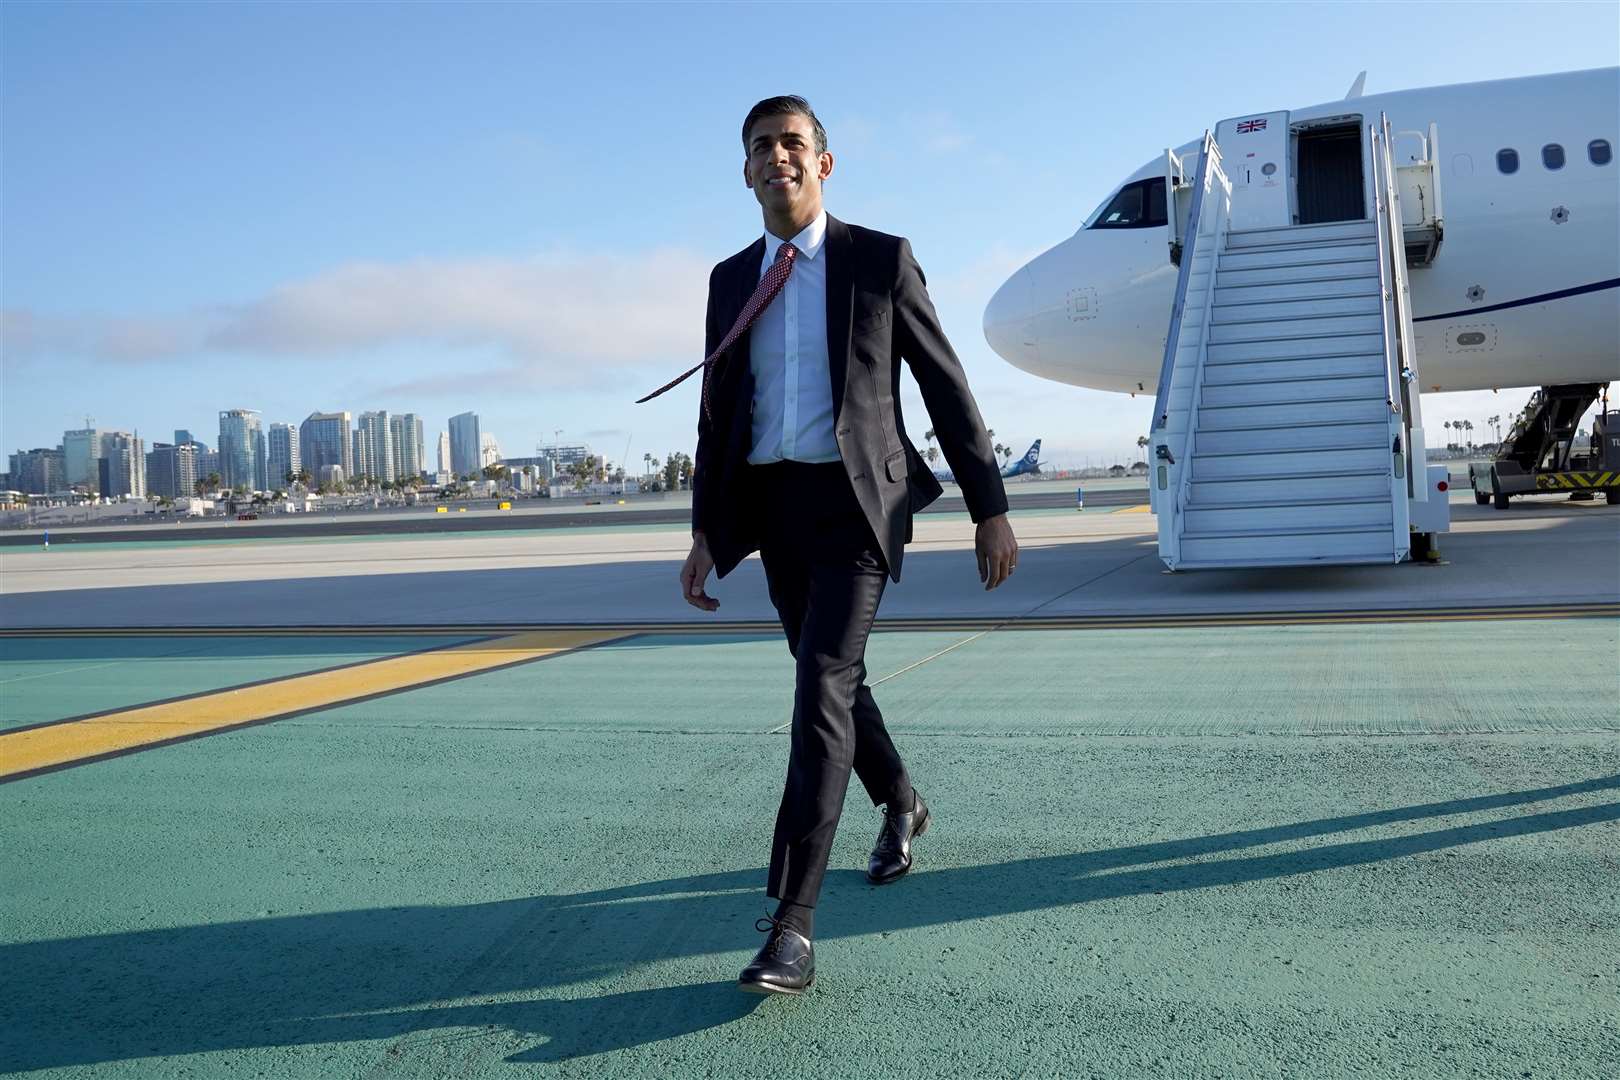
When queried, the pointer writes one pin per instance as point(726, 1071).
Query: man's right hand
point(695, 571)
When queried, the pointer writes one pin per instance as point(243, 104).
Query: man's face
point(783, 167)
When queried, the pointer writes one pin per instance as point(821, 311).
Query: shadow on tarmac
point(377, 974)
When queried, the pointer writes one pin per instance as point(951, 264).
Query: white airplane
point(1524, 290)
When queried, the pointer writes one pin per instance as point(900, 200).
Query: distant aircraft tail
point(1029, 463)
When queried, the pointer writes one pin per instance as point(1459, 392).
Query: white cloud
point(559, 316)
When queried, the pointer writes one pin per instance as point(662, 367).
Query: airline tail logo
point(1029, 463)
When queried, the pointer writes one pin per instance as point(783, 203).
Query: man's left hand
point(997, 549)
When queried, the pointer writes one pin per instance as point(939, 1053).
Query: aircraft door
point(1254, 152)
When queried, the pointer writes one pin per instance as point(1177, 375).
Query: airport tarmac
point(499, 804)
point(486, 515)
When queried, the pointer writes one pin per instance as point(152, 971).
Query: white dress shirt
point(787, 352)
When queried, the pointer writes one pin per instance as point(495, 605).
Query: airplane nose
point(1009, 320)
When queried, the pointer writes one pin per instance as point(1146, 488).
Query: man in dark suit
point(803, 456)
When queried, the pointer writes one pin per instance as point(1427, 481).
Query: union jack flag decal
point(1249, 126)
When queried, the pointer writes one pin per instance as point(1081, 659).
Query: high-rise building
point(374, 446)
point(39, 472)
point(466, 447)
point(122, 468)
point(323, 440)
point(171, 471)
point(489, 451)
point(181, 437)
point(241, 449)
point(80, 451)
point(207, 462)
point(444, 452)
point(409, 453)
point(281, 455)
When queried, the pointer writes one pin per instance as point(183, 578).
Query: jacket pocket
point(896, 467)
point(874, 322)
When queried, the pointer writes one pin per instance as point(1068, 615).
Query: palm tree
point(1142, 445)
point(1449, 444)
point(929, 435)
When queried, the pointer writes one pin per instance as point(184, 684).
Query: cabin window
point(1137, 206)
point(1552, 156)
point(1598, 152)
point(1507, 161)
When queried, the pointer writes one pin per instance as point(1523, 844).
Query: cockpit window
point(1137, 206)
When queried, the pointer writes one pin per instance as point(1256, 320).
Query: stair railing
point(1400, 366)
point(1206, 228)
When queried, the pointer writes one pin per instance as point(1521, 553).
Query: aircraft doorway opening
point(1330, 174)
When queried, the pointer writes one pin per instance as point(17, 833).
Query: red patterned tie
point(769, 285)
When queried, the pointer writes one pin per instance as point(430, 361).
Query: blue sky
point(513, 208)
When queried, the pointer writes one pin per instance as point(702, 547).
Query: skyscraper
point(282, 455)
point(444, 451)
point(374, 441)
point(122, 468)
point(466, 448)
point(406, 429)
point(171, 471)
point(38, 472)
point(323, 440)
point(81, 450)
point(241, 449)
point(181, 437)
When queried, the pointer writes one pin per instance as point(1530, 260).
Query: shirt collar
point(809, 241)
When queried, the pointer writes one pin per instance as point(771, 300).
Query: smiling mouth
point(781, 181)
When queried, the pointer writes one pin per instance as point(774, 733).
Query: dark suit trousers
point(826, 577)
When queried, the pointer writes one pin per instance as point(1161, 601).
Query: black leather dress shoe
point(785, 964)
point(892, 856)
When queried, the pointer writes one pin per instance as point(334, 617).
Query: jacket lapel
point(744, 279)
point(839, 252)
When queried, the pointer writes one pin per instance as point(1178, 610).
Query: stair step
point(1336, 230)
point(1208, 466)
point(1228, 310)
point(1289, 547)
point(1292, 413)
point(1200, 521)
point(1322, 289)
point(1244, 352)
point(1314, 255)
point(1295, 391)
point(1306, 327)
point(1255, 563)
point(1298, 437)
point(1248, 372)
point(1291, 391)
point(1234, 277)
point(1264, 491)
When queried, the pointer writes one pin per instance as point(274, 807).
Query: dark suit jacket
point(878, 313)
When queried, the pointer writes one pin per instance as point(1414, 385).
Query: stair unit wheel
point(1285, 414)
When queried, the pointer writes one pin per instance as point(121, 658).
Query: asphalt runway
point(424, 519)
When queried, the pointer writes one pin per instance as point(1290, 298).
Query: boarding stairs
point(1283, 423)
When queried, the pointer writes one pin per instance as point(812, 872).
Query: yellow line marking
point(1144, 508)
point(62, 744)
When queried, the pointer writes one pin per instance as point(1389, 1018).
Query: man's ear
point(826, 163)
point(747, 181)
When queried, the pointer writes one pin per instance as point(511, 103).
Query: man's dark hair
point(780, 106)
